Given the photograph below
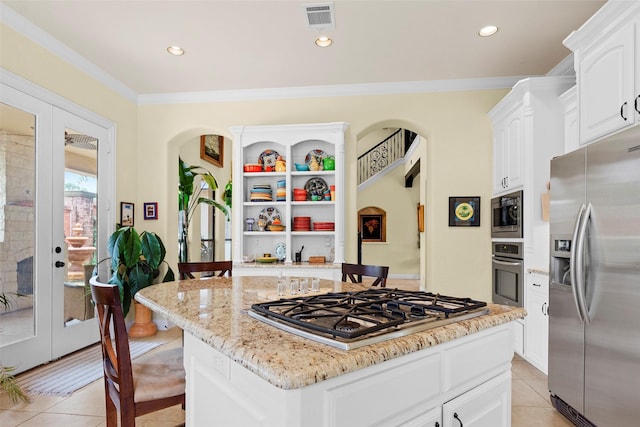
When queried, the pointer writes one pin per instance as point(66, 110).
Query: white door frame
point(49, 325)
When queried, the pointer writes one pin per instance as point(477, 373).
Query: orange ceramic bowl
point(252, 168)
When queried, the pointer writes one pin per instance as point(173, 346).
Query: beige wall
point(458, 163)
point(149, 139)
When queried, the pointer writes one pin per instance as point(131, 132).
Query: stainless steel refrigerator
point(594, 308)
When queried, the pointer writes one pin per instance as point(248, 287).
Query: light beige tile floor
point(530, 400)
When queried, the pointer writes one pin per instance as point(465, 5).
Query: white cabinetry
point(607, 54)
point(508, 155)
point(537, 331)
point(486, 405)
point(294, 143)
point(469, 376)
point(571, 122)
point(529, 121)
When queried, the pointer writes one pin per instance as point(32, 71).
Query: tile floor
point(84, 408)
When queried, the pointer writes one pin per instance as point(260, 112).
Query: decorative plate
point(464, 211)
point(281, 251)
point(268, 158)
point(316, 186)
point(269, 214)
point(318, 154)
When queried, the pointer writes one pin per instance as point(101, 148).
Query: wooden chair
point(148, 384)
point(222, 267)
point(354, 272)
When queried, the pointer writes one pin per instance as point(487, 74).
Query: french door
point(54, 216)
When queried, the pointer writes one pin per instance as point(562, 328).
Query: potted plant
point(187, 200)
point(136, 260)
point(8, 383)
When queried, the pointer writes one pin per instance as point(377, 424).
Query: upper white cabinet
point(508, 154)
point(607, 63)
point(316, 225)
point(571, 130)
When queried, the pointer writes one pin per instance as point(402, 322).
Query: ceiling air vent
point(320, 16)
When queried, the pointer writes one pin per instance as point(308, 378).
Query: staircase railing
point(384, 154)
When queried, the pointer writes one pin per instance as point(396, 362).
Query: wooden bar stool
point(148, 384)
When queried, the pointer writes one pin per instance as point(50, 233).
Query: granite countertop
point(215, 311)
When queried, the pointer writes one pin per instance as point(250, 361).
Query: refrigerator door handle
point(579, 264)
point(572, 261)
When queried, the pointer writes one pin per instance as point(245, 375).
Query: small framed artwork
point(372, 224)
point(212, 149)
point(151, 210)
point(126, 214)
point(420, 218)
point(464, 211)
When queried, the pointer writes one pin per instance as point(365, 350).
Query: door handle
point(59, 264)
point(514, 264)
point(572, 261)
point(579, 263)
point(455, 415)
point(622, 111)
point(635, 104)
point(544, 308)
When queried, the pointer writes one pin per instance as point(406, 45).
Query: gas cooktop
point(348, 320)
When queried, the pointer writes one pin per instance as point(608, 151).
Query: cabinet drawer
point(471, 361)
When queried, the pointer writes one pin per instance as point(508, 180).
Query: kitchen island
point(243, 372)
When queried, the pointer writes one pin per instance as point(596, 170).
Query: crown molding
point(55, 46)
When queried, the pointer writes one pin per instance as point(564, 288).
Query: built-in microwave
point(508, 273)
point(506, 216)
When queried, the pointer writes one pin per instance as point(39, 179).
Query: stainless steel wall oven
point(508, 273)
point(506, 216)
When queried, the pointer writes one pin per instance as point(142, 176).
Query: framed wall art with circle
point(464, 211)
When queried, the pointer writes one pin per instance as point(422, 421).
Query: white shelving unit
point(294, 143)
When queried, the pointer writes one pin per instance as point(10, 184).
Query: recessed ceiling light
point(487, 31)
point(175, 50)
point(323, 41)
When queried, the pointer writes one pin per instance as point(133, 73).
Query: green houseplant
point(191, 179)
point(8, 383)
point(136, 260)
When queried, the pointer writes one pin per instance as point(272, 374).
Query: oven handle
point(573, 272)
point(514, 264)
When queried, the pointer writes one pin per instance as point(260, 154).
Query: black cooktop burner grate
point(355, 314)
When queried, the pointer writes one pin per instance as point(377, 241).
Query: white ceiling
point(243, 45)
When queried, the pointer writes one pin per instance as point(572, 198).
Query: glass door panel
point(25, 246)
point(75, 219)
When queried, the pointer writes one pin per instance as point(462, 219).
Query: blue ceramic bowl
point(302, 167)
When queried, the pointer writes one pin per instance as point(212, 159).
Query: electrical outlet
point(327, 242)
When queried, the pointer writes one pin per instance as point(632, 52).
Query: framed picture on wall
point(126, 214)
point(212, 149)
point(464, 211)
point(372, 224)
point(151, 210)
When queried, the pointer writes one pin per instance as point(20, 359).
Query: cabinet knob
point(622, 111)
point(59, 264)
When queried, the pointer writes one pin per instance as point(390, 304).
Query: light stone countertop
point(215, 311)
point(276, 265)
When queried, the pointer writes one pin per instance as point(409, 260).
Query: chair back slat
point(222, 267)
point(352, 272)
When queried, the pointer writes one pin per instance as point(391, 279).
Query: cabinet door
point(432, 418)
point(488, 405)
point(537, 326)
point(606, 86)
point(508, 153)
point(499, 159)
point(515, 154)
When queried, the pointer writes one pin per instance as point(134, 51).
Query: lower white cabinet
point(518, 337)
point(469, 376)
point(537, 329)
point(486, 405)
